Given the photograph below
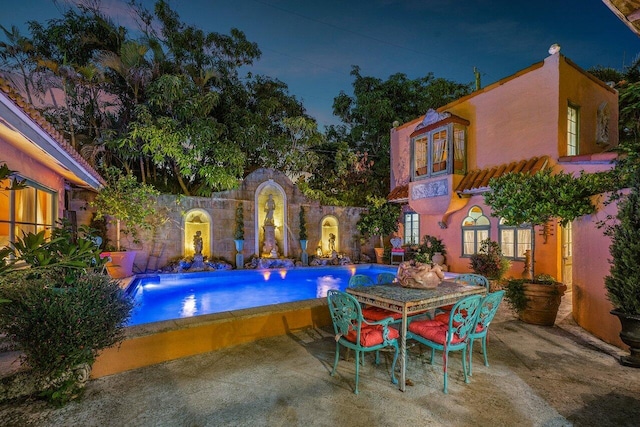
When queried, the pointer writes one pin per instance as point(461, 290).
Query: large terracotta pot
point(379, 255)
point(630, 335)
point(543, 302)
point(121, 264)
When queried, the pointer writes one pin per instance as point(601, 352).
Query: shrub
point(303, 225)
point(239, 234)
point(429, 246)
point(60, 328)
point(489, 262)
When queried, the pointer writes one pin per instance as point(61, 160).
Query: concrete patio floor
point(538, 376)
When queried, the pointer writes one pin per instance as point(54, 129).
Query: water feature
point(173, 296)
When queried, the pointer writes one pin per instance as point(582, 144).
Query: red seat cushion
point(371, 335)
point(397, 250)
point(376, 313)
point(446, 307)
point(432, 330)
point(444, 319)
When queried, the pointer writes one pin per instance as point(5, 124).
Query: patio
point(538, 376)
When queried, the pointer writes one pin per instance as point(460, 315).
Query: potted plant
point(302, 235)
point(61, 311)
point(430, 248)
point(623, 282)
point(380, 219)
point(131, 205)
point(490, 263)
point(536, 199)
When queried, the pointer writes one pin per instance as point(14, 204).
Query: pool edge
point(159, 342)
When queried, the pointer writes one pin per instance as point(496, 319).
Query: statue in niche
point(197, 243)
point(269, 207)
point(332, 242)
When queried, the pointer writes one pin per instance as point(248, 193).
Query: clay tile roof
point(33, 113)
point(477, 181)
point(399, 194)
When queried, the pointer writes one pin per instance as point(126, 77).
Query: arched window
point(514, 241)
point(475, 228)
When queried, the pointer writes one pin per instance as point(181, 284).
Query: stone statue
point(332, 242)
point(269, 207)
point(197, 243)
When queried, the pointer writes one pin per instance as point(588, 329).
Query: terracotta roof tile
point(477, 181)
point(33, 113)
point(399, 193)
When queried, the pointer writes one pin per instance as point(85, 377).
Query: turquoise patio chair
point(450, 336)
point(472, 279)
point(466, 279)
point(359, 280)
point(386, 278)
point(354, 332)
point(486, 312)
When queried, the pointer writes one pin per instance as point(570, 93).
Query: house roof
point(477, 181)
point(24, 127)
point(628, 11)
point(400, 194)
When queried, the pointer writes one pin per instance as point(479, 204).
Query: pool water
point(174, 296)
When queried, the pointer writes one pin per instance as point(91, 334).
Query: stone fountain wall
point(221, 208)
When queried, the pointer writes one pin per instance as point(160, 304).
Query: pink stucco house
point(42, 158)
point(550, 115)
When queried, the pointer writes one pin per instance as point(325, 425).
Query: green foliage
point(303, 225)
point(535, 199)
point(130, 203)
point(380, 219)
point(239, 234)
point(489, 262)
point(12, 183)
point(67, 254)
point(58, 329)
point(514, 294)
point(623, 281)
point(429, 246)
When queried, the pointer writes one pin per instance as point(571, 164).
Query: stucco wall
point(27, 167)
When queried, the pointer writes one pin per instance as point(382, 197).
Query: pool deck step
point(158, 342)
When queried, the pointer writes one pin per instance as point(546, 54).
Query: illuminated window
point(514, 241)
point(573, 126)
point(475, 228)
point(432, 151)
point(31, 209)
point(411, 228)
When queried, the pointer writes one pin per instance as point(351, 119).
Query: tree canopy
point(169, 105)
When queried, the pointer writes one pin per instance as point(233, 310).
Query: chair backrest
point(463, 317)
point(360, 280)
point(346, 313)
point(396, 242)
point(488, 309)
point(472, 279)
point(386, 277)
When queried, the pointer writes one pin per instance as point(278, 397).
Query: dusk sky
point(311, 45)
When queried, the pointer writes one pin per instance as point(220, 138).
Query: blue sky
point(311, 45)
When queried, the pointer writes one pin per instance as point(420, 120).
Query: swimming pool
point(174, 296)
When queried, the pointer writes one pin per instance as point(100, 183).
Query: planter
point(379, 255)
point(630, 335)
point(120, 264)
point(542, 303)
point(437, 258)
point(239, 245)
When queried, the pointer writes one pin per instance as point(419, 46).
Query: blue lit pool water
point(174, 296)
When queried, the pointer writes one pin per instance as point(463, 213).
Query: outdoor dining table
point(411, 301)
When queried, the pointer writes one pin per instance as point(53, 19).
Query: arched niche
point(197, 220)
point(280, 223)
point(329, 228)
